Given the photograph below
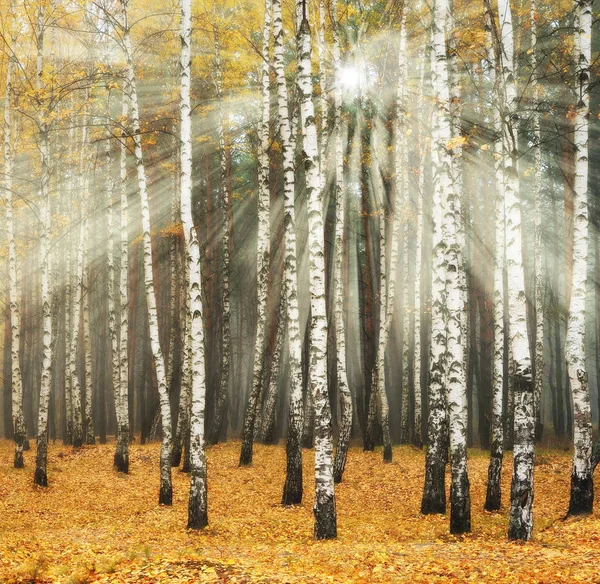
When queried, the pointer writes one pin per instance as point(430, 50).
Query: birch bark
point(521, 516)
point(19, 429)
point(493, 492)
point(292, 490)
point(341, 452)
point(226, 226)
point(40, 477)
point(197, 507)
point(166, 488)
point(324, 507)
point(582, 485)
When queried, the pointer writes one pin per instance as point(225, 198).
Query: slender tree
point(262, 248)
point(197, 508)
point(582, 485)
point(41, 460)
point(19, 428)
point(166, 488)
point(324, 508)
point(341, 451)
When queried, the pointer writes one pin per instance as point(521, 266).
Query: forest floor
point(94, 525)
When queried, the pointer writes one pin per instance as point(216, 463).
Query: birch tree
point(292, 490)
point(262, 247)
point(521, 516)
point(493, 492)
point(582, 485)
point(434, 491)
point(121, 459)
point(40, 477)
point(538, 250)
point(226, 226)
point(324, 508)
point(197, 508)
point(341, 451)
point(18, 420)
point(166, 488)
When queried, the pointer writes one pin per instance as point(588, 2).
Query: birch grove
point(312, 226)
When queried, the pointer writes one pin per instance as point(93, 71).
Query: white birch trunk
point(226, 226)
point(434, 491)
point(75, 328)
point(341, 452)
point(521, 517)
point(456, 330)
point(18, 420)
point(197, 508)
point(292, 491)
point(166, 489)
point(324, 508)
point(121, 390)
point(582, 486)
point(88, 422)
point(538, 246)
point(262, 249)
point(493, 492)
point(402, 207)
point(40, 477)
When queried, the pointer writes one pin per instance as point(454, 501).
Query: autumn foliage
point(95, 525)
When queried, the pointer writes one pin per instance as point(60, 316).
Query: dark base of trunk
point(369, 443)
point(493, 495)
point(387, 453)
point(434, 491)
point(518, 528)
point(90, 440)
point(26, 445)
point(102, 439)
point(197, 519)
point(165, 497)
point(582, 495)
point(460, 508)
point(176, 457)
point(19, 459)
point(77, 443)
point(40, 478)
point(246, 453)
point(417, 442)
point(121, 463)
point(292, 490)
point(325, 519)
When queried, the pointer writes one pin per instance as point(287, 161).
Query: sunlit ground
point(94, 525)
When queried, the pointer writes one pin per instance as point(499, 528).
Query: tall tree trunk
point(434, 491)
point(262, 248)
point(197, 507)
point(493, 493)
point(521, 516)
point(453, 235)
point(324, 507)
point(166, 488)
point(292, 490)
point(18, 420)
point(227, 226)
point(40, 477)
point(538, 250)
point(121, 458)
point(345, 431)
point(582, 486)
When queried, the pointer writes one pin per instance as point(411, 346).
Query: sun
point(349, 77)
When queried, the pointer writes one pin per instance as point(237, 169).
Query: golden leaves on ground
point(94, 525)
